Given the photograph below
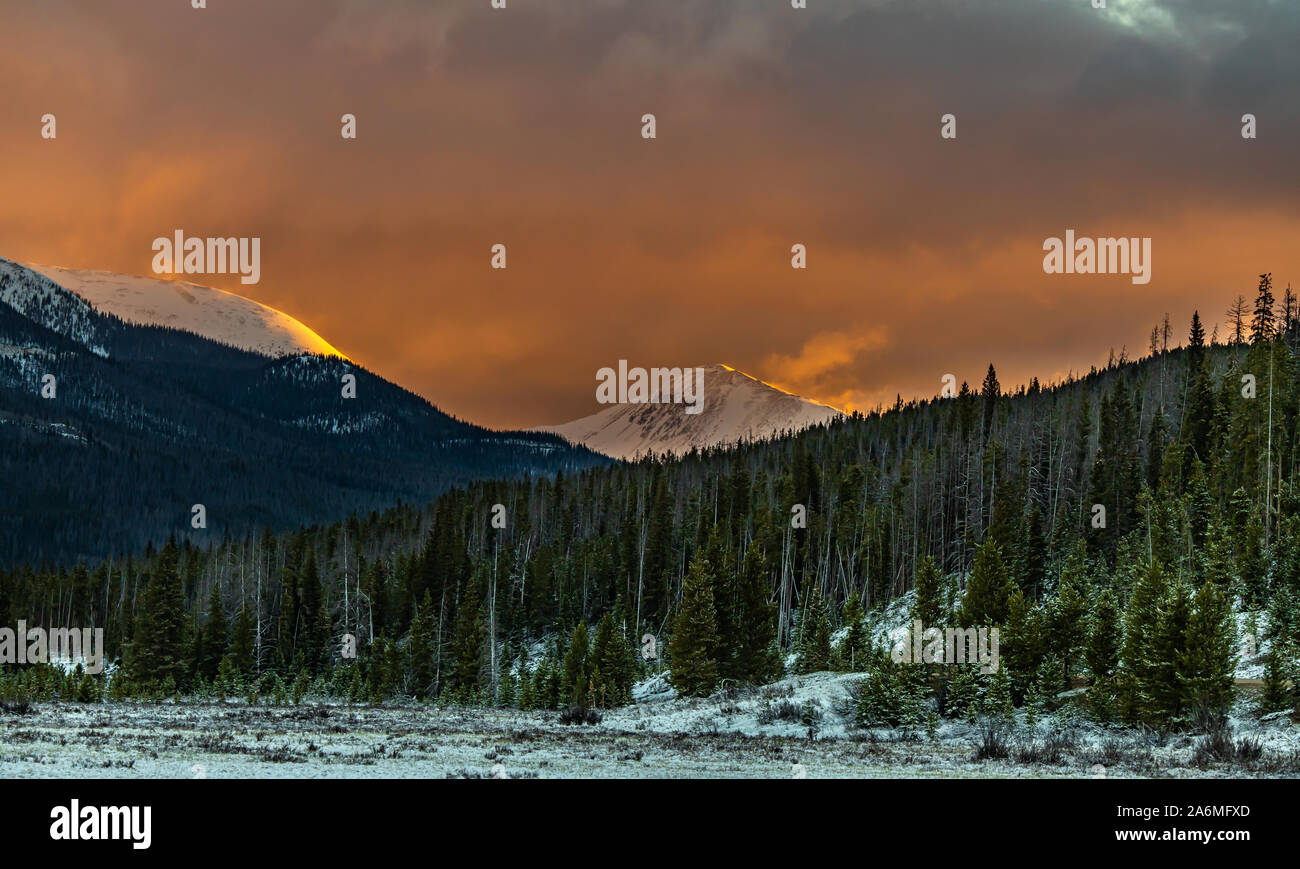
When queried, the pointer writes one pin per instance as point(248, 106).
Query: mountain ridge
point(220, 315)
point(110, 432)
point(738, 407)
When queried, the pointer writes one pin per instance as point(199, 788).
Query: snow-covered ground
point(756, 733)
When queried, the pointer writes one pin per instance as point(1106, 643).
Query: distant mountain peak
point(737, 407)
point(217, 314)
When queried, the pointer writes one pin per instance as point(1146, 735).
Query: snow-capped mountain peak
point(212, 313)
point(737, 407)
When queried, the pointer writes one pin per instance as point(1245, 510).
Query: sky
point(775, 126)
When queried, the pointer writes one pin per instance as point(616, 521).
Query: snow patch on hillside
point(43, 301)
point(212, 313)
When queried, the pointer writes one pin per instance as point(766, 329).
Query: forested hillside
point(987, 508)
point(111, 433)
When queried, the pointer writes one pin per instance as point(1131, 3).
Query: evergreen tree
point(963, 692)
point(158, 646)
point(1209, 661)
point(606, 660)
point(1140, 619)
point(997, 699)
point(1162, 691)
point(1274, 697)
point(420, 648)
point(988, 593)
point(815, 634)
point(1195, 344)
point(757, 660)
point(891, 694)
point(1102, 654)
point(1066, 615)
point(213, 636)
point(695, 634)
point(991, 392)
point(467, 642)
point(854, 650)
point(573, 684)
point(1023, 642)
point(1263, 325)
point(928, 606)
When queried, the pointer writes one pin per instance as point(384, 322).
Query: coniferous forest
point(1134, 532)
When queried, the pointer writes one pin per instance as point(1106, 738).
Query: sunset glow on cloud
point(775, 127)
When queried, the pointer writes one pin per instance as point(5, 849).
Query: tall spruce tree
point(1209, 658)
point(757, 660)
point(988, 592)
point(854, 650)
point(420, 647)
point(814, 634)
point(467, 642)
point(695, 634)
point(213, 636)
point(573, 682)
point(1102, 654)
point(158, 645)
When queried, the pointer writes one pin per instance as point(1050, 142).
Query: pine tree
point(757, 661)
point(227, 681)
point(1102, 654)
point(1162, 691)
point(1236, 315)
point(997, 699)
point(988, 593)
point(1263, 325)
point(573, 683)
point(695, 634)
point(420, 647)
point(1195, 344)
point(1209, 661)
point(1067, 612)
point(963, 693)
point(882, 694)
point(158, 646)
point(213, 636)
point(991, 392)
point(313, 626)
point(928, 606)
point(467, 642)
point(605, 658)
point(1140, 618)
point(1023, 641)
point(1275, 697)
point(855, 648)
point(1031, 552)
point(815, 634)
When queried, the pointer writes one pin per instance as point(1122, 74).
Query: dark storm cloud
point(775, 125)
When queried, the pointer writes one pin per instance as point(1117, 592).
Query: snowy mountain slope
point(737, 407)
point(45, 303)
point(212, 313)
point(146, 421)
